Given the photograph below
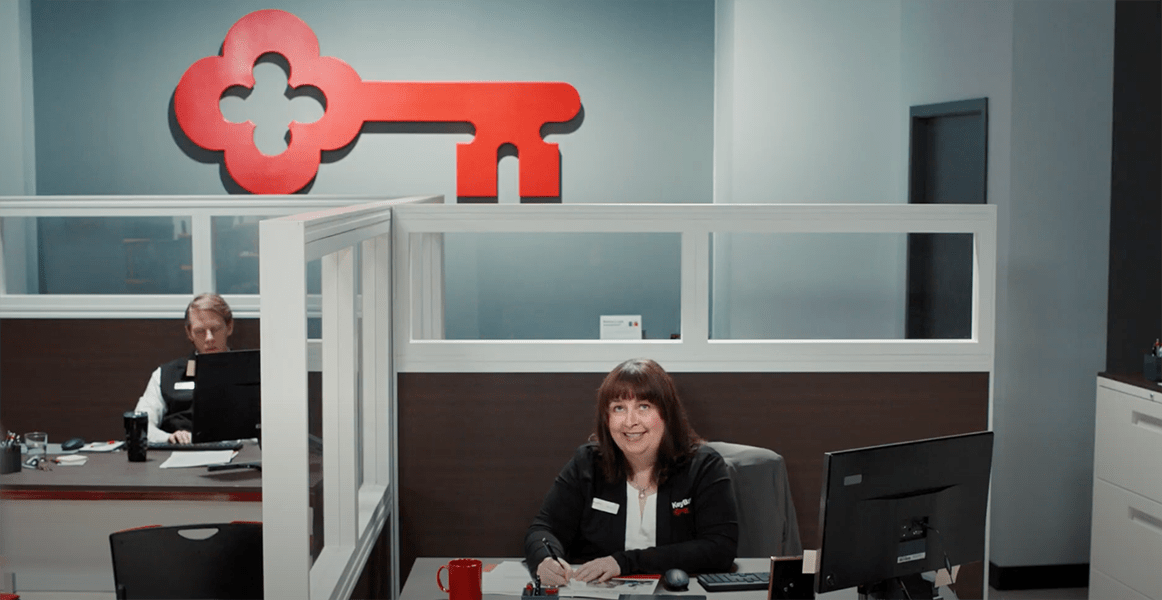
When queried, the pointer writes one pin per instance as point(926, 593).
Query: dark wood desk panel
point(478, 451)
point(804, 415)
point(75, 377)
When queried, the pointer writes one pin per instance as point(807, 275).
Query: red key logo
point(501, 113)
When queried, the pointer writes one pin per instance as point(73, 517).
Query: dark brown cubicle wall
point(75, 378)
point(478, 451)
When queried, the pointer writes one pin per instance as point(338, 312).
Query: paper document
point(179, 459)
point(613, 588)
point(508, 577)
point(102, 446)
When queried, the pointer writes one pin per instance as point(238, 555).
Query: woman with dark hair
point(645, 495)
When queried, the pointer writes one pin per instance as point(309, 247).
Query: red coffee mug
point(463, 579)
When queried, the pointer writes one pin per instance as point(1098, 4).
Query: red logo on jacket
point(681, 507)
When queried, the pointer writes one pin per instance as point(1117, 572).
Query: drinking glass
point(37, 444)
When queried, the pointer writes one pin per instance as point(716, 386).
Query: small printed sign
point(621, 327)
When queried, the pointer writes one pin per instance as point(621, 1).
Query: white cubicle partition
point(200, 210)
point(371, 251)
point(419, 347)
point(354, 244)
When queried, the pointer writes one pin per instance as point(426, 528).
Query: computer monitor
point(890, 513)
point(227, 396)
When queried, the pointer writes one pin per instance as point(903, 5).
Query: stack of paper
point(202, 458)
point(613, 588)
point(102, 446)
point(510, 578)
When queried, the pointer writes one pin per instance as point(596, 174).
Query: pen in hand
point(557, 559)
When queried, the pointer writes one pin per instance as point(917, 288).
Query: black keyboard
point(222, 445)
point(734, 582)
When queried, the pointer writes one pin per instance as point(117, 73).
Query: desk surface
point(110, 475)
point(1134, 379)
point(421, 583)
point(57, 523)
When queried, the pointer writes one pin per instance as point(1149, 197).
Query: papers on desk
point(178, 460)
point(510, 577)
point(614, 588)
point(102, 446)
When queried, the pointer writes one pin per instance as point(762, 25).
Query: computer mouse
point(675, 580)
point(73, 444)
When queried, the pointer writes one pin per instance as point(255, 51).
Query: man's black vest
point(179, 403)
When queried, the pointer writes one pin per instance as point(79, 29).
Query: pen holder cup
point(1152, 367)
point(788, 581)
point(10, 459)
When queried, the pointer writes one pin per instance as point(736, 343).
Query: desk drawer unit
point(1126, 535)
point(1127, 538)
point(1105, 587)
point(1128, 441)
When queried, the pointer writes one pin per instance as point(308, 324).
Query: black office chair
point(767, 525)
point(162, 563)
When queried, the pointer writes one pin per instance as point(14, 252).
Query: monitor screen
point(890, 513)
point(227, 396)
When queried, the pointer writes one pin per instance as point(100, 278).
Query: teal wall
point(105, 72)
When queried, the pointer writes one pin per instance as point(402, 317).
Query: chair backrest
point(767, 525)
point(180, 562)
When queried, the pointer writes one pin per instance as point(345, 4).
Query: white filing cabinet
point(1126, 543)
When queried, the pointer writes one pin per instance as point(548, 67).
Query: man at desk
point(169, 395)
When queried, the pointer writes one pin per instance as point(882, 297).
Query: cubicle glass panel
point(18, 235)
point(315, 461)
point(859, 286)
point(97, 255)
point(236, 256)
point(359, 366)
point(555, 286)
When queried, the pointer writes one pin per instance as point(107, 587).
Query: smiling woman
point(644, 496)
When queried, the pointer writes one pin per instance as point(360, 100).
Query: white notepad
point(201, 458)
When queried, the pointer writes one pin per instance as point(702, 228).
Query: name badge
point(183, 385)
point(606, 506)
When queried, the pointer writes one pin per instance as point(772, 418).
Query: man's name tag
point(605, 506)
point(183, 385)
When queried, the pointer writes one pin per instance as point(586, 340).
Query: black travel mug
point(136, 435)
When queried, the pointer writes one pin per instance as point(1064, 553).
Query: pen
point(552, 554)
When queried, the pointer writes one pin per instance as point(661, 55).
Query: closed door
point(947, 165)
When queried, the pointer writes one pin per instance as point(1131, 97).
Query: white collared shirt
point(641, 526)
point(152, 404)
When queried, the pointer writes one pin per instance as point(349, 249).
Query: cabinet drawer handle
point(1145, 420)
point(1146, 520)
